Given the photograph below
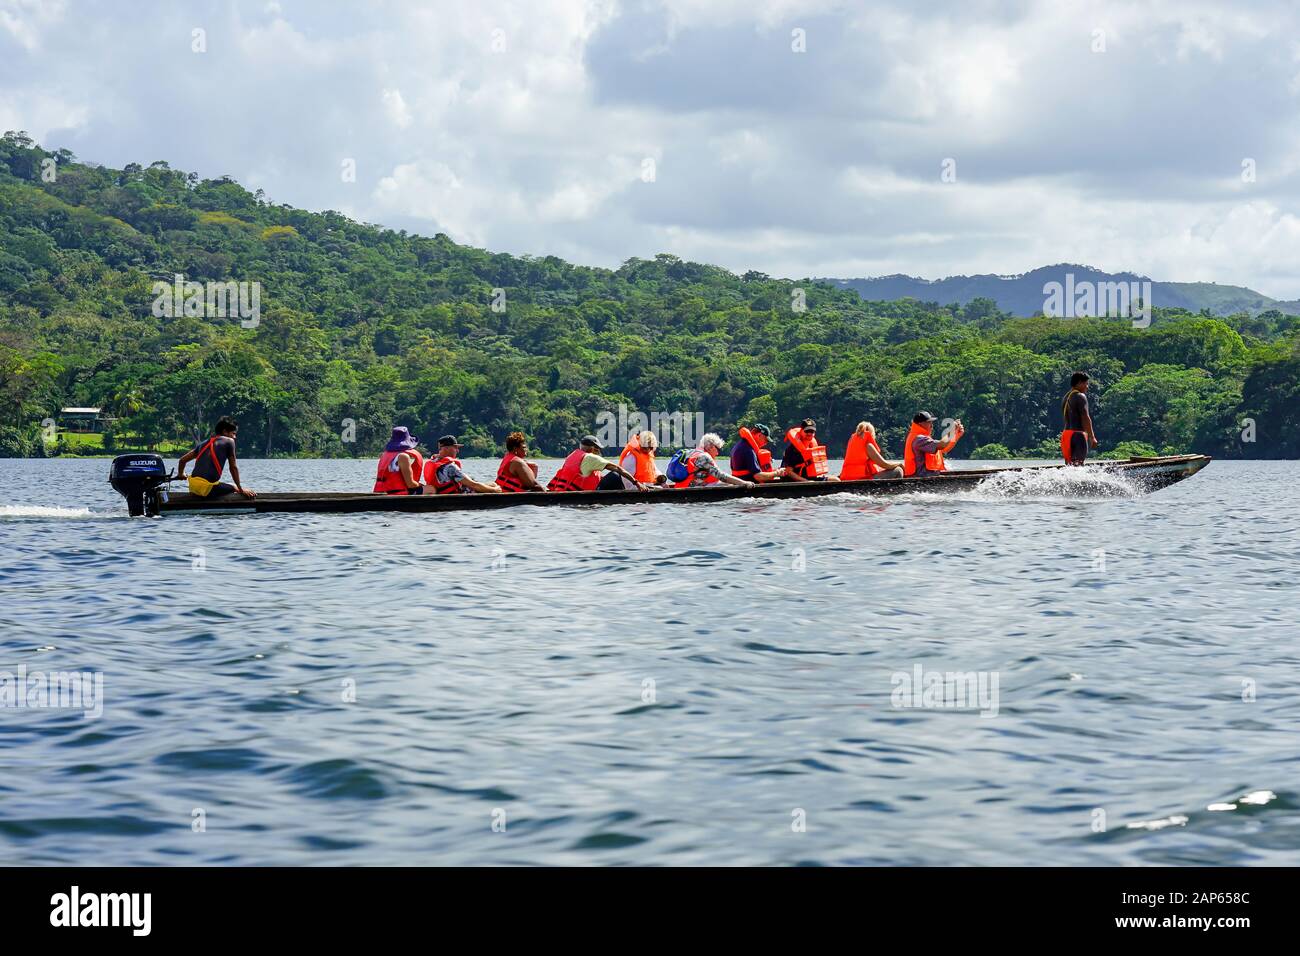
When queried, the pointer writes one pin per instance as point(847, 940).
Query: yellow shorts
point(200, 486)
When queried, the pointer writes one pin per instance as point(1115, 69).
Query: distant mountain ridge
point(1023, 294)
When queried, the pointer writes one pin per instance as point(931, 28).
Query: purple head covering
point(401, 440)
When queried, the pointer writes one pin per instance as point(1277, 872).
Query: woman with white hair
point(700, 467)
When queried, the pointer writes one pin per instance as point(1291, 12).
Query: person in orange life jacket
point(638, 459)
point(514, 474)
point(399, 468)
point(797, 456)
point(210, 458)
point(443, 474)
point(923, 453)
point(581, 470)
point(751, 459)
point(862, 458)
point(703, 469)
point(1078, 435)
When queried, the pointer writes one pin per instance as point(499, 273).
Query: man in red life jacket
point(581, 471)
point(444, 475)
point(751, 458)
point(210, 458)
point(399, 468)
point(516, 473)
point(922, 452)
point(1078, 435)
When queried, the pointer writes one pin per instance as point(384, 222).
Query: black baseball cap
point(590, 440)
point(763, 430)
point(923, 418)
point(448, 440)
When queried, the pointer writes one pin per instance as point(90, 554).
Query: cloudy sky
point(797, 138)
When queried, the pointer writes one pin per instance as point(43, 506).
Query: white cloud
point(433, 193)
point(40, 114)
point(820, 163)
point(1196, 37)
point(572, 203)
point(396, 108)
point(27, 20)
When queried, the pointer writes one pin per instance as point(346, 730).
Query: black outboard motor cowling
point(134, 477)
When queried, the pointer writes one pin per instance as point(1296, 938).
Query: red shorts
point(1074, 446)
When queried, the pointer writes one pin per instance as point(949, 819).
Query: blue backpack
point(677, 470)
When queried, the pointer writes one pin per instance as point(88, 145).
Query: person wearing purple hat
point(400, 466)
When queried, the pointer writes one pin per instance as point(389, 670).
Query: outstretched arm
point(479, 486)
point(711, 469)
point(880, 460)
point(234, 473)
point(628, 476)
point(733, 480)
point(186, 458)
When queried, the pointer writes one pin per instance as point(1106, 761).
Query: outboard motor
point(135, 477)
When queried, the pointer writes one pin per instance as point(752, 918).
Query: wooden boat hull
point(1151, 474)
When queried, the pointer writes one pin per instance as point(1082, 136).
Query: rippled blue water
point(655, 684)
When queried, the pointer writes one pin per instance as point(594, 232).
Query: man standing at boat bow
point(1078, 435)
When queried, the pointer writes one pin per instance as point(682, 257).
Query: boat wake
point(42, 511)
point(1031, 484)
point(1056, 483)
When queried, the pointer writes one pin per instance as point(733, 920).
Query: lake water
point(657, 684)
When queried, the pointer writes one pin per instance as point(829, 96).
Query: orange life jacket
point(506, 479)
point(691, 467)
point(569, 477)
point(857, 463)
point(814, 455)
point(388, 482)
point(643, 462)
point(431, 476)
point(933, 460)
point(761, 451)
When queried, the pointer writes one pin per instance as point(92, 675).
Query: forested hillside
point(364, 324)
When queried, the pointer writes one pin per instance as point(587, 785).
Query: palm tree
point(127, 400)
